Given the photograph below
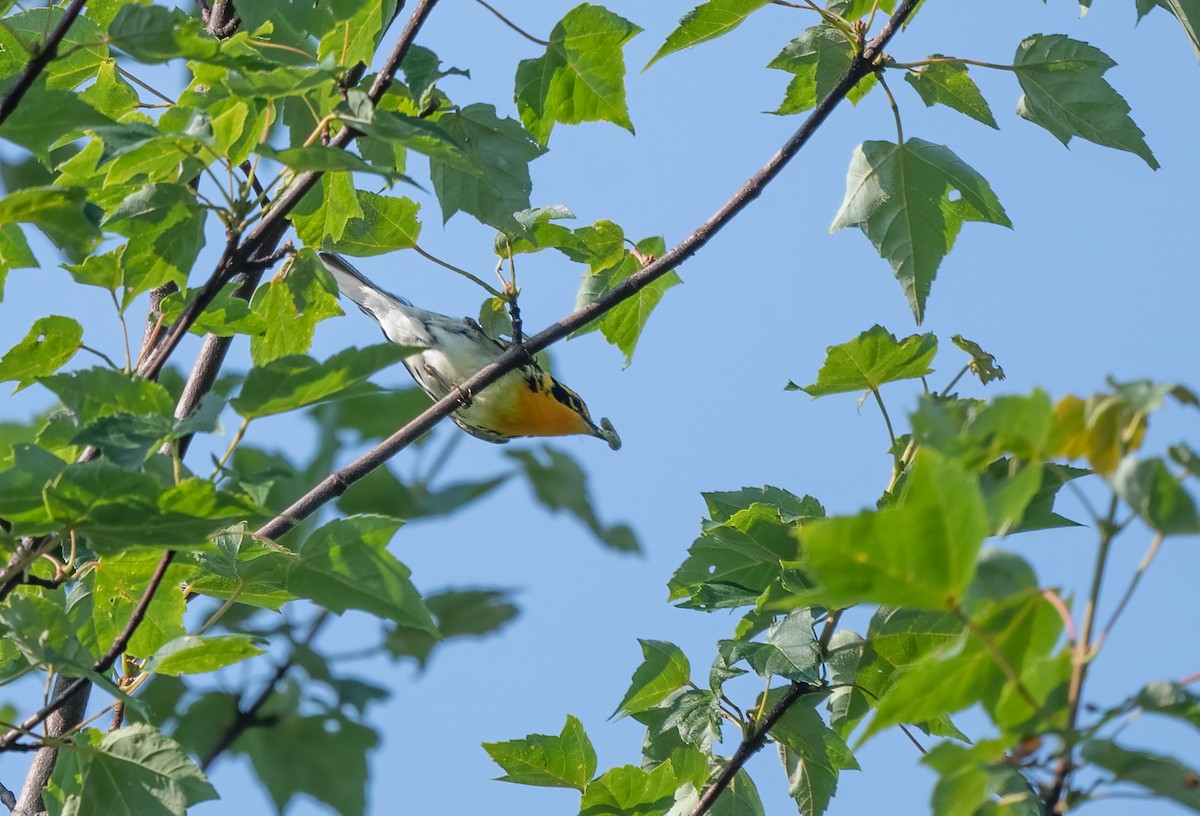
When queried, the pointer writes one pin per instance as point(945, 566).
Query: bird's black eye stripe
point(567, 397)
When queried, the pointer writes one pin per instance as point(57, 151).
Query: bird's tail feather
point(354, 285)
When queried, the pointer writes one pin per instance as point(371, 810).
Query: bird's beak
point(609, 434)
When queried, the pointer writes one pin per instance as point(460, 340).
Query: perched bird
point(524, 402)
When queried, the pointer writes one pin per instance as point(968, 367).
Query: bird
point(527, 401)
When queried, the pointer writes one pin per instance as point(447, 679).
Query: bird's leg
point(464, 397)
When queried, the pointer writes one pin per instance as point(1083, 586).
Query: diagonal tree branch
point(45, 55)
point(338, 482)
point(749, 747)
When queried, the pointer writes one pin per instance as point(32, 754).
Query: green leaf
point(560, 484)
point(14, 252)
point(982, 363)
point(920, 552)
point(664, 670)
point(356, 35)
point(374, 413)
point(117, 509)
point(292, 305)
point(459, 613)
point(165, 227)
point(1161, 775)
point(382, 492)
point(119, 584)
point(972, 778)
point(125, 439)
point(1171, 700)
point(99, 270)
point(346, 565)
point(133, 771)
point(62, 213)
point(422, 69)
point(21, 488)
point(696, 715)
point(900, 197)
point(735, 561)
point(111, 95)
point(581, 77)
point(50, 343)
point(48, 119)
point(411, 132)
point(630, 791)
point(226, 316)
point(819, 58)
point(326, 210)
point(565, 761)
point(790, 650)
point(197, 655)
point(386, 224)
point(295, 381)
point(1187, 12)
point(81, 53)
point(623, 324)
point(154, 34)
point(866, 669)
point(1023, 629)
point(324, 159)
point(706, 21)
point(48, 636)
point(868, 361)
point(499, 152)
point(740, 798)
point(949, 84)
point(99, 392)
point(1154, 494)
point(1065, 93)
point(287, 765)
point(813, 754)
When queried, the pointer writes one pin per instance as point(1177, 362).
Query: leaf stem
point(513, 25)
point(895, 108)
point(233, 443)
point(477, 281)
point(100, 354)
point(961, 373)
point(950, 61)
point(887, 420)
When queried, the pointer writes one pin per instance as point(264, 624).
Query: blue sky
point(1097, 278)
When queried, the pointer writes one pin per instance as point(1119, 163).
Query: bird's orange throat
point(532, 411)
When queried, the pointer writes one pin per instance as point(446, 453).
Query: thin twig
point(38, 62)
point(338, 482)
point(1081, 659)
point(248, 718)
point(1147, 559)
point(513, 25)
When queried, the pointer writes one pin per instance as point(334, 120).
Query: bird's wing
point(402, 323)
